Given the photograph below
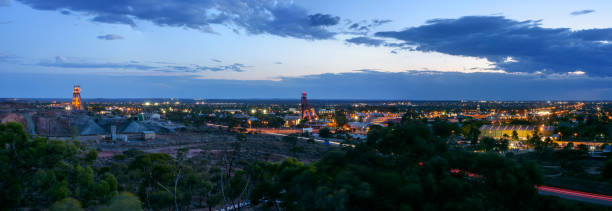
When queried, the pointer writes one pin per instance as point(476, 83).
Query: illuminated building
point(306, 110)
point(77, 104)
point(523, 131)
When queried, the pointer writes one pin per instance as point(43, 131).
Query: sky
point(343, 49)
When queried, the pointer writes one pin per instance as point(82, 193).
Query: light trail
point(576, 195)
point(560, 192)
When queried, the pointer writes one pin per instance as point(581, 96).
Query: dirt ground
point(213, 146)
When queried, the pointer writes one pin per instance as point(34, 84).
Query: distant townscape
point(566, 143)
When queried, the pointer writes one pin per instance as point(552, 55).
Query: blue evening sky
point(421, 50)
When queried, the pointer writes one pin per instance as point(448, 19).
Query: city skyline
point(333, 50)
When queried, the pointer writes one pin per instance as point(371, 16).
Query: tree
point(91, 156)
point(583, 148)
point(606, 171)
point(488, 144)
point(67, 204)
point(471, 130)
point(515, 136)
point(325, 132)
point(37, 172)
point(123, 201)
point(410, 115)
point(340, 118)
point(74, 132)
point(502, 145)
point(402, 166)
point(444, 129)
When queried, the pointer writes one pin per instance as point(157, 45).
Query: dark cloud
point(323, 20)
point(366, 41)
point(215, 60)
point(363, 27)
point(5, 22)
point(65, 12)
point(582, 12)
point(531, 47)
point(281, 18)
point(372, 85)
point(110, 37)
point(278, 63)
point(117, 19)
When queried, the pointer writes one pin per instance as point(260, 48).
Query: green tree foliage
point(37, 172)
point(123, 201)
point(340, 118)
point(471, 130)
point(594, 128)
point(568, 153)
point(91, 156)
point(325, 132)
point(606, 170)
point(74, 132)
point(444, 129)
point(154, 176)
point(269, 121)
point(410, 115)
point(402, 167)
point(515, 136)
point(67, 204)
point(489, 144)
point(405, 166)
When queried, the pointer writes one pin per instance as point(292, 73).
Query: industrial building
point(523, 131)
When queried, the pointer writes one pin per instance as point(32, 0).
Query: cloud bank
point(582, 12)
point(496, 38)
point(281, 18)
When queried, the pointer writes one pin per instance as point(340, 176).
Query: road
point(316, 140)
point(576, 195)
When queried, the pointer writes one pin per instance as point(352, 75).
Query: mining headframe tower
point(77, 103)
point(307, 112)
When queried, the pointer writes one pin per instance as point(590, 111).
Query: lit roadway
point(561, 193)
point(576, 195)
point(316, 140)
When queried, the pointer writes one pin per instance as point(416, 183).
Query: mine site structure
point(77, 103)
point(306, 111)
